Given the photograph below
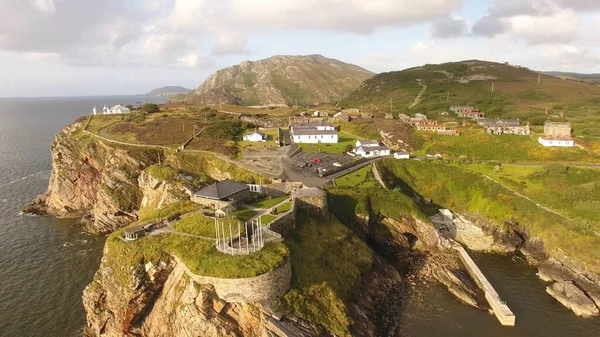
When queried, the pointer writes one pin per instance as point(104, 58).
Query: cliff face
point(281, 80)
point(163, 300)
point(93, 180)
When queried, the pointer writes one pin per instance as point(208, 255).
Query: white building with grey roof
point(314, 133)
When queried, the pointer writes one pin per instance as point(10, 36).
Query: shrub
point(555, 168)
point(150, 108)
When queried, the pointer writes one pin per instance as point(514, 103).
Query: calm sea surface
point(46, 263)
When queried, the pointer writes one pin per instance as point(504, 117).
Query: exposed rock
point(93, 180)
point(274, 81)
point(553, 270)
point(375, 309)
point(569, 295)
point(271, 122)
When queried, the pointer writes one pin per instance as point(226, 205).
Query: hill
point(433, 88)
point(281, 80)
point(168, 91)
point(591, 78)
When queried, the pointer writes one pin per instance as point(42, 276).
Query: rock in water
point(573, 298)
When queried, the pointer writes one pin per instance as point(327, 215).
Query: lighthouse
point(94, 111)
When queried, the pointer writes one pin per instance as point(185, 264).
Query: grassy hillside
point(467, 192)
point(517, 93)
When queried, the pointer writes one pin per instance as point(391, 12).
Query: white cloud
point(230, 44)
point(449, 27)
point(562, 26)
point(44, 6)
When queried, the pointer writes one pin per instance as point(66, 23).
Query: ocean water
point(45, 263)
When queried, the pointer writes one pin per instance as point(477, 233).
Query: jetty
point(501, 310)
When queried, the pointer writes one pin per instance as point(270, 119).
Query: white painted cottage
point(556, 141)
point(255, 136)
point(401, 155)
point(370, 149)
point(117, 109)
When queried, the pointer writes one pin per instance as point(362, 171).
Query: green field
point(344, 139)
point(467, 192)
point(475, 145)
point(572, 191)
point(198, 224)
point(284, 208)
point(355, 178)
point(272, 135)
point(267, 219)
point(268, 203)
point(245, 214)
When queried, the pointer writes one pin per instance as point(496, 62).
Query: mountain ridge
point(281, 80)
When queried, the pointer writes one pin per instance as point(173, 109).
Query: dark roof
point(500, 122)
point(221, 190)
point(135, 229)
point(311, 125)
point(372, 148)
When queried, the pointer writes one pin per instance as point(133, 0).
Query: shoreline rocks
point(569, 295)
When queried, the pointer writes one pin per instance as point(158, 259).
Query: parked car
point(316, 160)
point(336, 164)
point(300, 165)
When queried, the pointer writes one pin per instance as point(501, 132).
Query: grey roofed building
point(368, 142)
point(309, 131)
point(221, 190)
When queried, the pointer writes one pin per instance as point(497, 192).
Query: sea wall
point(265, 287)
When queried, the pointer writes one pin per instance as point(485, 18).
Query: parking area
point(315, 161)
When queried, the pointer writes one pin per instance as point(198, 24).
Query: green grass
point(162, 172)
point(170, 212)
point(344, 139)
point(199, 255)
point(245, 214)
point(355, 178)
point(470, 193)
point(272, 135)
point(268, 203)
point(475, 144)
point(575, 193)
point(198, 224)
point(284, 208)
point(328, 261)
point(267, 218)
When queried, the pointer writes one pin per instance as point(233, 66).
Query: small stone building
point(222, 194)
point(312, 201)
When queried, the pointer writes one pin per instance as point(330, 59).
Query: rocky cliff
point(281, 80)
point(93, 180)
point(104, 184)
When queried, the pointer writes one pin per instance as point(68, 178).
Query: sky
point(108, 47)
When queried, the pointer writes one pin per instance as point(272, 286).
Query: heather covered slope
point(281, 80)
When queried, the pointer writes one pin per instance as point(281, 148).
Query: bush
point(150, 108)
point(555, 168)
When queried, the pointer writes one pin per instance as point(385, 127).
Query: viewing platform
point(501, 310)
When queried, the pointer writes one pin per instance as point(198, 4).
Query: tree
point(150, 108)
point(348, 148)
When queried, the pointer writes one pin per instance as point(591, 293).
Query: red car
point(316, 160)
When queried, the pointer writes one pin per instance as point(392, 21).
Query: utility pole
point(158, 154)
point(183, 127)
point(448, 96)
point(391, 106)
point(539, 78)
point(492, 86)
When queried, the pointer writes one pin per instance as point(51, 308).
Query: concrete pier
point(501, 310)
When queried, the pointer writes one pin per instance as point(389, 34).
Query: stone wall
point(285, 223)
point(281, 189)
point(265, 287)
point(312, 201)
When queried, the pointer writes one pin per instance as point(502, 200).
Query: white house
point(401, 155)
point(314, 133)
point(556, 141)
point(420, 116)
point(255, 136)
point(117, 109)
point(372, 151)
